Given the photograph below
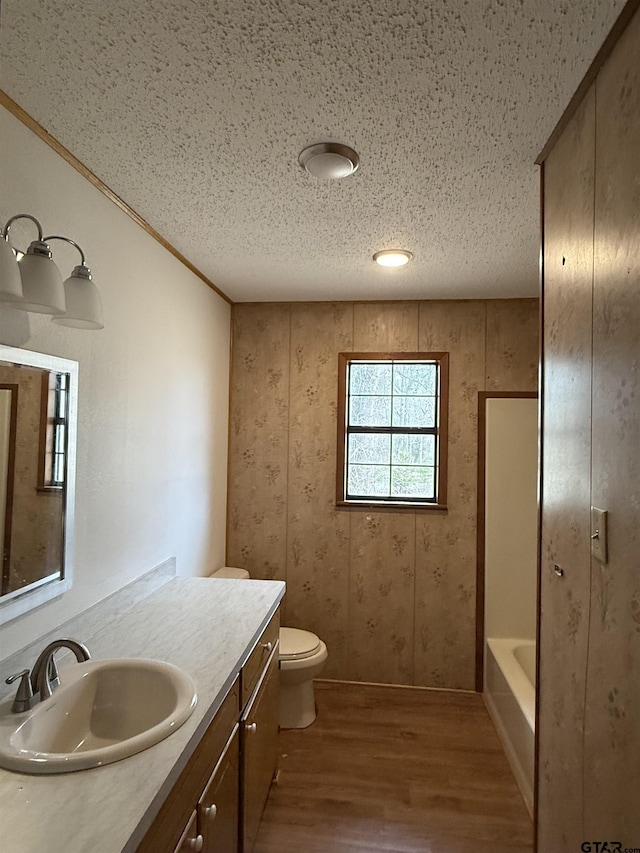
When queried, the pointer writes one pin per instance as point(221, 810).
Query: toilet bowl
point(302, 656)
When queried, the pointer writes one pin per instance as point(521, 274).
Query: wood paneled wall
point(392, 593)
point(589, 711)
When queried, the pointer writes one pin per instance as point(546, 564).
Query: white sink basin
point(102, 712)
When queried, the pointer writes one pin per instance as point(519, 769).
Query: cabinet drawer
point(255, 663)
point(183, 798)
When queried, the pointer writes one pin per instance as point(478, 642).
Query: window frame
point(51, 424)
point(442, 431)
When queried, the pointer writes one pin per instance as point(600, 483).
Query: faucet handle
point(25, 698)
point(18, 675)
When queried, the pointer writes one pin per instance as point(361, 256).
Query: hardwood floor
point(387, 769)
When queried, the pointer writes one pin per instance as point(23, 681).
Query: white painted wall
point(153, 389)
point(511, 450)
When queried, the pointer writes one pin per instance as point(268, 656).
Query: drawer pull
point(196, 843)
point(267, 646)
point(211, 811)
point(251, 728)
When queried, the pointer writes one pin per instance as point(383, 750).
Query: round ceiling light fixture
point(329, 160)
point(392, 257)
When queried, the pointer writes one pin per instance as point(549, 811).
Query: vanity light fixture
point(392, 257)
point(83, 303)
point(329, 160)
point(33, 283)
point(10, 281)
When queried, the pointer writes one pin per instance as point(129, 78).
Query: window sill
point(392, 506)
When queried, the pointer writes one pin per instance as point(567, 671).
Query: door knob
point(252, 728)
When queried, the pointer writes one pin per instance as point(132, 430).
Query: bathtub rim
point(523, 690)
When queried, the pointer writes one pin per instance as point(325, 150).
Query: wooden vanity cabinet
point(218, 807)
point(218, 800)
point(166, 833)
point(254, 666)
point(190, 840)
point(259, 734)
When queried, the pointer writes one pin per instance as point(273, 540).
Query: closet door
point(566, 473)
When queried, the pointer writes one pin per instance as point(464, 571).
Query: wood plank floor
point(386, 769)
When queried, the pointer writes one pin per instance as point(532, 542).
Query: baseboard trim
point(396, 686)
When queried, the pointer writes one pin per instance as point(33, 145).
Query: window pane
point(413, 482)
point(370, 411)
point(369, 449)
point(61, 404)
point(58, 469)
point(414, 379)
point(414, 411)
point(58, 439)
point(413, 450)
point(370, 379)
point(368, 480)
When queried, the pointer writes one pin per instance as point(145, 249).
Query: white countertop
point(205, 626)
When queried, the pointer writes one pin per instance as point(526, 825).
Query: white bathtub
point(510, 696)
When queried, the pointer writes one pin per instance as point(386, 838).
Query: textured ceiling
point(195, 113)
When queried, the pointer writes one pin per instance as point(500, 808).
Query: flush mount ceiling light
point(32, 282)
point(329, 160)
point(392, 257)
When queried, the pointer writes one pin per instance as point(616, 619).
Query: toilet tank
point(231, 572)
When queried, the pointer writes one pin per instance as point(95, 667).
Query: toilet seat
point(296, 644)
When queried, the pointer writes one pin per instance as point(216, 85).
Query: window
point(392, 429)
point(53, 431)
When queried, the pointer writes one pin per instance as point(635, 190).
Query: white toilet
point(302, 657)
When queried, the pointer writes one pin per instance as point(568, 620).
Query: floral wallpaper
point(259, 442)
point(392, 593)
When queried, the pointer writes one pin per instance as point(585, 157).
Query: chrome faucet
point(42, 681)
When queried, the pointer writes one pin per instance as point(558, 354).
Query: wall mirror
point(38, 413)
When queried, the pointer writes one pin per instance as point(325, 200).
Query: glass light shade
point(10, 281)
point(84, 306)
point(392, 257)
point(330, 166)
point(329, 160)
point(42, 288)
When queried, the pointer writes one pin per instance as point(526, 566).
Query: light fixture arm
point(5, 230)
point(81, 271)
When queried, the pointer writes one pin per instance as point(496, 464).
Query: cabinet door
point(259, 751)
point(164, 832)
point(190, 840)
point(218, 806)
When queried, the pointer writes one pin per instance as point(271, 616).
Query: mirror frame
point(20, 602)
